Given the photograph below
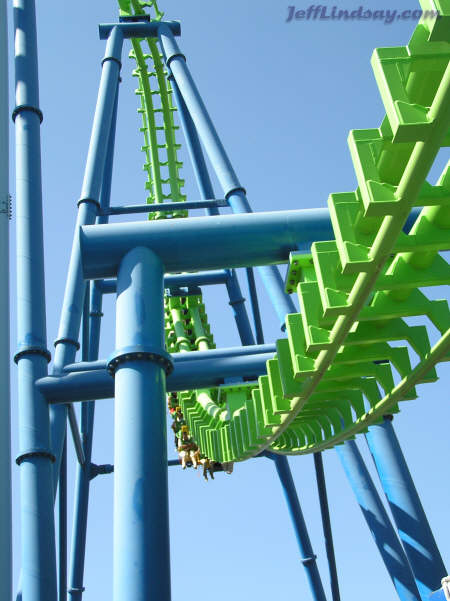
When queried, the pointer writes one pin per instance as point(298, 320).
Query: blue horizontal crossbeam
point(178, 358)
point(165, 207)
point(138, 30)
point(205, 243)
point(188, 374)
point(181, 280)
point(208, 243)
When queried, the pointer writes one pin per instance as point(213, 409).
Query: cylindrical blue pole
point(82, 484)
point(141, 507)
point(377, 519)
point(194, 149)
point(255, 306)
point(326, 523)
point(407, 511)
point(232, 240)
point(231, 186)
point(39, 581)
point(67, 343)
point(91, 340)
point(240, 314)
point(301, 532)
point(5, 418)
point(207, 373)
point(180, 280)
point(237, 301)
point(62, 502)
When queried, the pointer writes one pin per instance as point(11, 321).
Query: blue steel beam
point(231, 240)
point(67, 343)
point(166, 207)
point(407, 511)
point(255, 306)
point(301, 532)
point(194, 148)
point(38, 552)
point(138, 30)
point(377, 519)
point(92, 316)
point(62, 522)
point(237, 301)
point(326, 523)
point(97, 384)
point(141, 555)
point(182, 280)
point(179, 358)
point(231, 186)
point(5, 417)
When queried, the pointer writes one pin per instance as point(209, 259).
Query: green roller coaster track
point(336, 373)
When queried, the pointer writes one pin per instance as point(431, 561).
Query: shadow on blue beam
point(139, 29)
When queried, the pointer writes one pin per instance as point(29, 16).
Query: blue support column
point(62, 507)
point(35, 458)
point(377, 519)
point(407, 511)
point(67, 344)
point(237, 301)
point(255, 306)
point(301, 532)
point(232, 188)
point(141, 508)
point(232, 240)
point(326, 523)
point(5, 418)
point(91, 339)
point(194, 148)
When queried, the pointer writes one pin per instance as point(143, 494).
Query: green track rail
point(341, 368)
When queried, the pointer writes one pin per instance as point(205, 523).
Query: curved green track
point(337, 372)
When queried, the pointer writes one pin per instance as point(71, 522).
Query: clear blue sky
point(283, 97)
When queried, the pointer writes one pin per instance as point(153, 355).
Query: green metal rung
point(438, 29)
point(407, 86)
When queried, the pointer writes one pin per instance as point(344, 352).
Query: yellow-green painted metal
point(355, 291)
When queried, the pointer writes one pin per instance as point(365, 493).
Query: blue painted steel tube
point(231, 240)
point(141, 506)
point(137, 30)
point(326, 523)
point(255, 306)
point(82, 485)
point(301, 532)
point(178, 358)
point(68, 333)
point(237, 302)
point(97, 384)
point(232, 188)
point(407, 511)
point(5, 418)
point(194, 148)
point(91, 340)
point(182, 280)
point(38, 553)
point(62, 507)
point(210, 205)
point(377, 519)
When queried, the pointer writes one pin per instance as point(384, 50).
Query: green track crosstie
point(340, 368)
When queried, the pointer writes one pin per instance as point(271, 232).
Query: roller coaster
point(344, 365)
